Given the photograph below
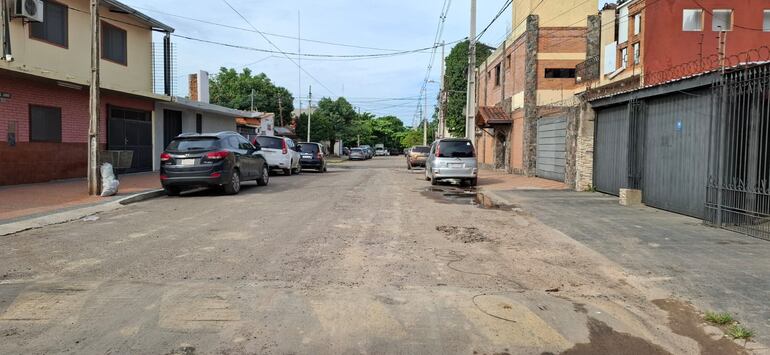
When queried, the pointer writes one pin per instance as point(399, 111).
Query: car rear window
point(193, 144)
point(270, 142)
point(455, 149)
point(309, 148)
point(357, 150)
point(421, 149)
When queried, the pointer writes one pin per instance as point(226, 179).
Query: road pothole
point(471, 197)
point(463, 234)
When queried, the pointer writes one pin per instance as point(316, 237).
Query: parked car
point(358, 154)
point(369, 151)
point(395, 152)
point(417, 156)
point(222, 160)
point(280, 153)
point(452, 159)
point(313, 156)
point(382, 152)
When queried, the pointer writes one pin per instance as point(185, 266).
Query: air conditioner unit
point(32, 10)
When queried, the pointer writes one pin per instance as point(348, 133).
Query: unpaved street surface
point(364, 259)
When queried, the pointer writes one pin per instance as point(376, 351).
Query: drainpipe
point(6, 31)
point(167, 64)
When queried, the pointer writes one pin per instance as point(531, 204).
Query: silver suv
point(452, 159)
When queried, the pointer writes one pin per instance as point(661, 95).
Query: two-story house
point(44, 80)
point(521, 83)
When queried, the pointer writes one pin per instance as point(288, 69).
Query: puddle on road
point(468, 196)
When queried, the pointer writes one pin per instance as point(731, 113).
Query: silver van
point(452, 159)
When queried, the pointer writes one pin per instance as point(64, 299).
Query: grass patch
point(719, 318)
point(737, 331)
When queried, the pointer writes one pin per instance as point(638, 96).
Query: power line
point(268, 33)
point(279, 49)
point(499, 13)
point(439, 34)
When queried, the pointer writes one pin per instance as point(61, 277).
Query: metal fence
point(738, 194)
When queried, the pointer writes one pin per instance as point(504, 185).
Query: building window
point(692, 20)
point(560, 73)
point(637, 53)
point(723, 20)
point(114, 44)
point(53, 29)
point(508, 63)
point(637, 24)
point(623, 25)
point(199, 123)
point(623, 57)
point(498, 76)
point(766, 26)
point(44, 124)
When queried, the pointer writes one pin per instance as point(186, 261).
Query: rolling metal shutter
point(551, 147)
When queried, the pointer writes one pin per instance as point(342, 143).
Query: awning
point(488, 116)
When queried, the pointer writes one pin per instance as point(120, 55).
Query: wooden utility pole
point(442, 97)
point(93, 104)
point(309, 108)
point(280, 109)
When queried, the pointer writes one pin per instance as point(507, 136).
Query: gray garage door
point(551, 147)
point(611, 150)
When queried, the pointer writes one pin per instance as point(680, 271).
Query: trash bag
point(109, 183)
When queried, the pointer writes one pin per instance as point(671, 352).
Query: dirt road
point(364, 259)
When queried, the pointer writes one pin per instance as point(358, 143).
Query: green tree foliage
point(232, 89)
point(456, 81)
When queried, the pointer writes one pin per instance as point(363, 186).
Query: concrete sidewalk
point(498, 180)
point(22, 202)
point(715, 269)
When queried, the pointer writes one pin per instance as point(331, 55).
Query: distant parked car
point(395, 152)
point(281, 153)
point(382, 152)
point(452, 159)
point(417, 156)
point(211, 160)
point(313, 156)
point(368, 150)
point(358, 154)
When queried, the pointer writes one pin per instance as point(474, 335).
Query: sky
point(383, 86)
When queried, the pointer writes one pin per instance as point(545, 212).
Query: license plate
point(455, 165)
point(307, 157)
point(187, 162)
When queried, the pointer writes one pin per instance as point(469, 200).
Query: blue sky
point(371, 84)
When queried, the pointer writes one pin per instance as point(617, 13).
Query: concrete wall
point(72, 64)
point(211, 123)
point(553, 13)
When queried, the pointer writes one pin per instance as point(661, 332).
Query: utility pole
point(442, 96)
point(93, 104)
point(299, 66)
point(280, 109)
point(309, 106)
point(470, 117)
point(252, 100)
point(425, 120)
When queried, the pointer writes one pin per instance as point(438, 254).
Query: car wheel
point(473, 182)
point(265, 179)
point(234, 186)
point(434, 181)
point(427, 177)
point(287, 172)
point(172, 190)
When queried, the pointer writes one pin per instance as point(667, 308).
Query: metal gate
point(611, 150)
point(551, 147)
point(676, 133)
point(131, 130)
point(738, 184)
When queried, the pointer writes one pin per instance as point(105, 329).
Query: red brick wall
point(32, 162)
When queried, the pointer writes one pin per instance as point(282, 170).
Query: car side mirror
point(298, 148)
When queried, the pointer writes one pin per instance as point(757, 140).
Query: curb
point(76, 214)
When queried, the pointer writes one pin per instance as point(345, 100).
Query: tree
point(387, 130)
point(232, 89)
point(456, 83)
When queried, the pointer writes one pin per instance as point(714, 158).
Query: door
point(551, 147)
point(172, 126)
point(611, 150)
point(129, 129)
point(248, 159)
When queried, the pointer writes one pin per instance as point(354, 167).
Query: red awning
point(492, 115)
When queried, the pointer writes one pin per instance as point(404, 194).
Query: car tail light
point(164, 177)
point(217, 155)
point(284, 148)
point(216, 175)
point(438, 150)
point(164, 157)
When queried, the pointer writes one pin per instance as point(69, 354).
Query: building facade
point(44, 79)
point(525, 83)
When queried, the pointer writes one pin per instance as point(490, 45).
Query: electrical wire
point(439, 34)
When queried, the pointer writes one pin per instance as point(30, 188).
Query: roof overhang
point(120, 7)
point(488, 116)
point(187, 104)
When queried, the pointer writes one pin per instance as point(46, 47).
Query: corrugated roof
point(211, 108)
point(121, 7)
